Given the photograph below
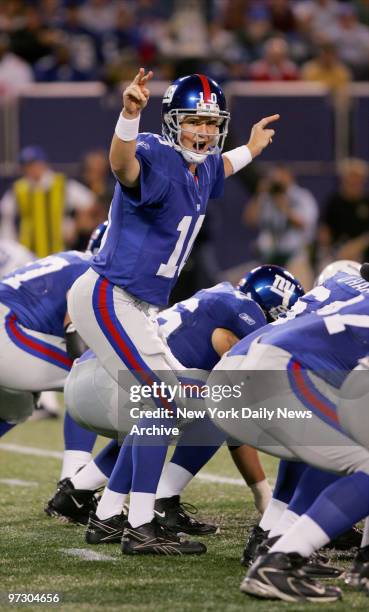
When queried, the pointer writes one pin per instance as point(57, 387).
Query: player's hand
point(261, 135)
point(136, 95)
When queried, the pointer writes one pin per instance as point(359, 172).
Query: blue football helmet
point(194, 95)
point(273, 288)
point(96, 237)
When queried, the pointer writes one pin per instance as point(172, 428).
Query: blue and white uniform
point(150, 235)
point(300, 364)
point(92, 396)
point(188, 325)
point(33, 306)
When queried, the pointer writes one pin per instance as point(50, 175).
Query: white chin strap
point(191, 156)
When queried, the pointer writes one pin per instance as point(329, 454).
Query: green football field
point(40, 554)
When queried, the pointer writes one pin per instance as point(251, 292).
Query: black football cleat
point(107, 531)
point(348, 540)
point(71, 505)
point(318, 567)
point(173, 514)
point(155, 539)
point(282, 576)
point(359, 569)
point(253, 541)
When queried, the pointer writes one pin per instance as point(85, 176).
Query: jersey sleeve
point(218, 184)
point(239, 315)
point(247, 317)
point(153, 181)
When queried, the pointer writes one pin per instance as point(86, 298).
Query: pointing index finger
point(266, 120)
point(139, 75)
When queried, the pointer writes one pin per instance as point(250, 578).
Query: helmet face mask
point(195, 96)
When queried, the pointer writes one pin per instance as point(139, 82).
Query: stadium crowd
point(263, 40)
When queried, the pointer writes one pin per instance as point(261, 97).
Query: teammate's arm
point(222, 340)
point(260, 137)
point(122, 157)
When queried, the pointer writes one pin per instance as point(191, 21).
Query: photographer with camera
point(285, 215)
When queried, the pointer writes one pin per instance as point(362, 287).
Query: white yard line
point(39, 452)
point(15, 482)
point(87, 555)
point(30, 450)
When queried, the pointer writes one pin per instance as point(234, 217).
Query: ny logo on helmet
point(282, 287)
point(168, 96)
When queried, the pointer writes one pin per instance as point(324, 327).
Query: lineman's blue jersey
point(327, 330)
point(152, 228)
point(37, 292)
point(188, 325)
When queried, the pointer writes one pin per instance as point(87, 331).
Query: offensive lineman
point(198, 331)
point(331, 325)
point(37, 347)
point(163, 185)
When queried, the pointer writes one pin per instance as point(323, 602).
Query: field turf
point(36, 552)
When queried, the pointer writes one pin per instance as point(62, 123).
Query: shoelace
point(186, 508)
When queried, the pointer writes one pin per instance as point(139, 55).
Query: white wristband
point(239, 157)
point(127, 129)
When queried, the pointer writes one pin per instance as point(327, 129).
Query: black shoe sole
point(94, 540)
point(128, 550)
point(256, 588)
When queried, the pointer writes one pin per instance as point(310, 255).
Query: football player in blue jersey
point(38, 344)
point(198, 331)
point(163, 186)
point(331, 324)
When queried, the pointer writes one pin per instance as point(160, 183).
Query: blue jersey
point(152, 227)
point(327, 330)
point(188, 325)
point(37, 292)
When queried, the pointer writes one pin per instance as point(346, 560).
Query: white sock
point(262, 494)
point(173, 480)
point(49, 400)
point(110, 504)
point(286, 521)
point(272, 514)
point(141, 508)
point(365, 538)
point(72, 461)
point(304, 537)
point(90, 477)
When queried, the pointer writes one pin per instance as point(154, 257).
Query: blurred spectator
point(282, 17)
point(275, 64)
point(32, 40)
point(344, 230)
point(83, 44)
point(351, 38)
point(15, 73)
point(321, 13)
point(327, 68)
point(59, 66)
point(186, 35)
point(99, 15)
point(124, 35)
point(285, 215)
point(257, 30)
point(97, 177)
point(44, 210)
point(52, 12)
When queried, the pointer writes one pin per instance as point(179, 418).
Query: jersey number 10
point(175, 261)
